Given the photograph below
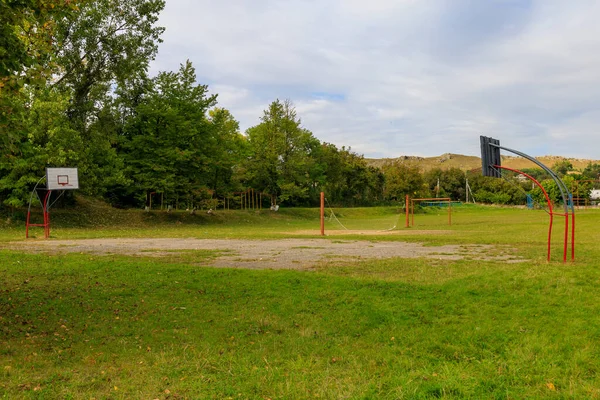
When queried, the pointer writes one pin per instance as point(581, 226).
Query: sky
point(389, 78)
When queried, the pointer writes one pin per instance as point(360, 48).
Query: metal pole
point(322, 214)
point(406, 210)
point(551, 211)
point(564, 191)
point(46, 215)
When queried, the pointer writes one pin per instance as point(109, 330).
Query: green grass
point(113, 327)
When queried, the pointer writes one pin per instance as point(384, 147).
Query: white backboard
point(61, 178)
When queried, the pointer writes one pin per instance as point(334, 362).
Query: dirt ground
point(296, 253)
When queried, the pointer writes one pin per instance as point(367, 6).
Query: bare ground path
point(295, 253)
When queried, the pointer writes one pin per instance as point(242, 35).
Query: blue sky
point(402, 77)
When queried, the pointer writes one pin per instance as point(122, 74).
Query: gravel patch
point(267, 254)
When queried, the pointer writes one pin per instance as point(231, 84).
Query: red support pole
point(566, 237)
point(47, 215)
point(47, 227)
point(407, 212)
point(322, 214)
point(27, 225)
point(550, 233)
point(572, 236)
point(551, 212)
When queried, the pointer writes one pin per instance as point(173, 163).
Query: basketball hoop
point(59, 179)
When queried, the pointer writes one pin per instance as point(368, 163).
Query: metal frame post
point(487, 143)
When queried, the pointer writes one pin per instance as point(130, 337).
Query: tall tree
point(27, 48)
point(401, 179)
point(281, 150)
point(105, 44)
point(45, 137)
point(168, 139)
point(27, 30)
point(82, 48)
point(229, 148)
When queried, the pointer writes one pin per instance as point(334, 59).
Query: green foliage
point(281, 159)
point(69, 120)
point(289, 163)
point(552, 190)
point(561, 168)
point(509, 190)
point(451, 183)
point(537, 173)
point(106, 41)
point(229, 147)
point(27, 51)
point(167, 142)
point(27, 42)
point(402, 180)
point(346, 178)
point(75, 92)
point(591, 171)
point(42, 136)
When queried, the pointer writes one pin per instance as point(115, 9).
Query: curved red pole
point(547, 199)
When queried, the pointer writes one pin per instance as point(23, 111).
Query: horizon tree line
point(75, 91)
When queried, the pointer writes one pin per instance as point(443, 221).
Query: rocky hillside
point(448, 160)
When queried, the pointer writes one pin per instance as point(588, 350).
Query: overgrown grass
point(81, 326)
point(78, 326)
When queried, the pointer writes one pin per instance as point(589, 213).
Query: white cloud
point(390, 77)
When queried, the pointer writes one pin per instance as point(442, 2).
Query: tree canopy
point(75, 92)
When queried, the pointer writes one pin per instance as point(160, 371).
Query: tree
point(229, 147)
point(451, 183)
point(76, 51)
point(552, 190)
point(562, 167)
point(591, 171)
point(281, 153)
point(167, 141)
point(402, 180)
point(106, 42)
point(508, 190)
point(27, 44)
point(44, 137)
point(27, 48)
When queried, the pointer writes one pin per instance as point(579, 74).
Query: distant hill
point(448, 160)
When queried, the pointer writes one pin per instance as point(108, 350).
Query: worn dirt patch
point(341, 232)
point(266, 254)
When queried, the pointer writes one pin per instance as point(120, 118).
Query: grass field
point(81, 326)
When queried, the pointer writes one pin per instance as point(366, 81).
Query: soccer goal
point(431, 202)
point(360, 220)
